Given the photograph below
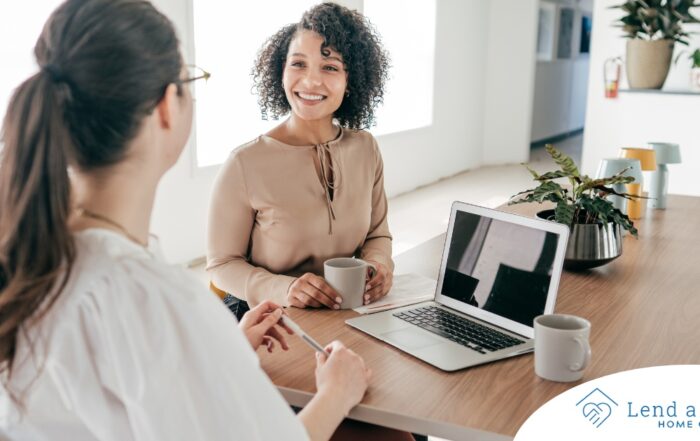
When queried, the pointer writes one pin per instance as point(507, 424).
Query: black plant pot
point(590, 245)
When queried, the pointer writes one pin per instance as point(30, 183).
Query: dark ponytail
point(105, 65)
point(34, 205)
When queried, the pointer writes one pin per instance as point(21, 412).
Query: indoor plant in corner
point(694, 69)
point(595, 224)
point(652, 28)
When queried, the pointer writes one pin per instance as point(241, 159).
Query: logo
point(596, 407)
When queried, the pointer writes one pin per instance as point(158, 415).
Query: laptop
point(498, 272)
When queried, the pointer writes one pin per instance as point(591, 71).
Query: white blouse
point(134, 349)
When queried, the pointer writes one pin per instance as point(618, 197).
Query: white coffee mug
point(348, 276)
point(562, 350)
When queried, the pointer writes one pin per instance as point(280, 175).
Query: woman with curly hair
point(311, 188)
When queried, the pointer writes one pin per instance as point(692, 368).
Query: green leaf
point(552, 175)
point(611, 191)
point(532, 172)
point(623, 221)
point(547, 191)
point(564, 213)
point(564, 162)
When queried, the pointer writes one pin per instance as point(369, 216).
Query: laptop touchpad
point(411, 338)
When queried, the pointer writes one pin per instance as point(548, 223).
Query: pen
point(303, 335)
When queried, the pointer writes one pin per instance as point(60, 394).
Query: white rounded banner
point(659, 403)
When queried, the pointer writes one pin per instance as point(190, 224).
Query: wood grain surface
point(644, 310)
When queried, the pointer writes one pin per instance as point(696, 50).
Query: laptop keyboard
point(458, 329)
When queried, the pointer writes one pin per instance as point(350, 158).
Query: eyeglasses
point(194, 73)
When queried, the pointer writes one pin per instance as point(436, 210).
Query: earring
point(347, 92)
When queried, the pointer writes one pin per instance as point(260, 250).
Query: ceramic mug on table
point(348, 276)
point(562, 351)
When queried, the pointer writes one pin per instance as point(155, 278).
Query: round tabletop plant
point(585, 201)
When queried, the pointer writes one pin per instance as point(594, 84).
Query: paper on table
point(406, 290)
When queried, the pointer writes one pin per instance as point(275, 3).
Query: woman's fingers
point(282, 324)
point(277, 335)
point(268, 321)
point(258, 313)
point(323, 292)
point(312, 290)
point(308, 300)
point(374, 294)
point(269, 343)
point(294, 301)
point(379, 286)
point(323, 286)
point(319, 296)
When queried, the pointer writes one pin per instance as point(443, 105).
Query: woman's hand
point(260, 326)
point(342, 374)
point(379, 285)
point(312, 290)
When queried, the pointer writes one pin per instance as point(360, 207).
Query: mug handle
point(372, 268)
point(586, 350)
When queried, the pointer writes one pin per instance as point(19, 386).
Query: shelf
point(661, 91)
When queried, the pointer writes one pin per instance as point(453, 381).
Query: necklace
point(82, 212)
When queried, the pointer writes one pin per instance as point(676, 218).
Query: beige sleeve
point(231, 219)
point(377, 246)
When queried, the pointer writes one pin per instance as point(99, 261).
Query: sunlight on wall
point(227, 37)
point(410, 41)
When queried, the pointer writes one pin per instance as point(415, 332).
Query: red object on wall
point(611, 76)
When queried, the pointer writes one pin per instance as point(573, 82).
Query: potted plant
point(694, 69)
point(595, 224)
point(652, 28)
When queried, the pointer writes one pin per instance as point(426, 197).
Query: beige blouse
point(273, 217)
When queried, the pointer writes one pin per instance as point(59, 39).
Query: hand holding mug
point(379, 284)
point(349, 278)
point(313, 291)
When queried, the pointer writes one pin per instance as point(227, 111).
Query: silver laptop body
point(499, 270)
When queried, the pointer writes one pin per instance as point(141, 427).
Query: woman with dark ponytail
point(99, 339)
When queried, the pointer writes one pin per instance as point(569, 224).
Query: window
point(18, 35)
point(410, 41)
point(227, 37)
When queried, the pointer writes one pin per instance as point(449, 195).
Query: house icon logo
point(596, 407)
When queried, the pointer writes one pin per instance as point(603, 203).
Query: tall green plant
point(657, 19)
point(585, 202)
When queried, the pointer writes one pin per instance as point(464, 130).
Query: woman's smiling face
point(314, 79)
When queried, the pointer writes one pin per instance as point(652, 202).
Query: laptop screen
point(500, 267)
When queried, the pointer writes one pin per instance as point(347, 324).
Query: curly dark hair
point(351, 35)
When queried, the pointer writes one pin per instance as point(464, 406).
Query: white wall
point(453, 142)
point(481, 113)
point(560, 85)
point(510, 75)
point(636, 118)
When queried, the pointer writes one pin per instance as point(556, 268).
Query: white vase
point(695, 79)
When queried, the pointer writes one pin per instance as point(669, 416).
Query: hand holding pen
point(340, 372)
point(260, 326)
point(338, 369)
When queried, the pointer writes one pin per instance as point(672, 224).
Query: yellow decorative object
point(647, 157)
point(634, 207)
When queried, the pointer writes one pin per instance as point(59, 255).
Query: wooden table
point(644, 309)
